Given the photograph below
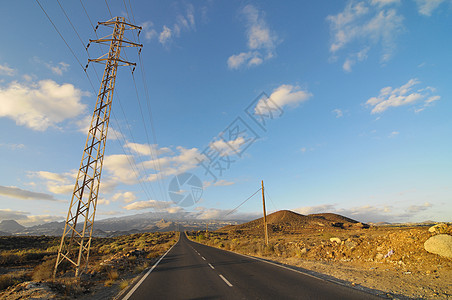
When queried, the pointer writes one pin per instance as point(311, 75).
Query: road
point(194, 271)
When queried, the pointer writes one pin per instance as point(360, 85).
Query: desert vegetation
point(392, 259)
point(26, 265)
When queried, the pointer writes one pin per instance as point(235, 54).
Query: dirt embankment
point(389, 259)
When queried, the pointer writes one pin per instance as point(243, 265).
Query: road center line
point(225, 280)
point(203, 257)
point(211, 266)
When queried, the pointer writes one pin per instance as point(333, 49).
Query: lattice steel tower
point(78, 229)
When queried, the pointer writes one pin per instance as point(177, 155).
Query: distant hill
point(11, 226)
point(286, 220)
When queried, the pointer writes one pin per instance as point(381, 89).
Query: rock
point(379, 256)
point(335, 239)
point(350, 244)
point(304, 251)
point(440, 244)
point(439, 229)
point(361, 225)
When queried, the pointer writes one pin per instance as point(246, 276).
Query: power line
point(131, 12)
point(235, 209)
point(87, 75)
point(108, 8)
point(92, 25)
point(148, 104)
point(54, 26)
point(155, 156)
point(127, 11)
point(81, 41)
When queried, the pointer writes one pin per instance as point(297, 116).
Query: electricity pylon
point(78, 229)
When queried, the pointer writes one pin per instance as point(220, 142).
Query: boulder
point(335, 239)
point(440, 244)
point(439, 229)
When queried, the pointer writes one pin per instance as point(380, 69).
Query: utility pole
point(265, 215)
point(78, 228)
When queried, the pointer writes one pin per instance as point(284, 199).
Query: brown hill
point(286, 220)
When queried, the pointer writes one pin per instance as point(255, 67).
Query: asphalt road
point(194, 271)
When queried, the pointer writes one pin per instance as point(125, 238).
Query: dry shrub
point(5, 281)
point(44, 271)
point(112, 275)
point(123, 284)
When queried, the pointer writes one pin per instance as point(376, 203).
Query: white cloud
point(426, 7)
point(404, 95)
point(57, 183)
point(184, 22)
point(126, 197)
point(229, 147)
point(283, 95)
point(109, 213)
point(338, 113)
point(369, 213)
point(365, 24)
point(148, 30)
point(103, 201)
point(59, 68)
point(40, 105)
point(51, 176)
point(174, 209)
point(394, 134)
point(15, 192)
point(148, 204)
point(118, 167)
point(384, 2)
point(252, 58)
point(178, 163)
point(13, 146)
point(220, 182)
point(5, 70)
point(165, 35)
point(146, 149)
point(261, 40)
point(25, 219)
point(419, 208)
point(353, 58)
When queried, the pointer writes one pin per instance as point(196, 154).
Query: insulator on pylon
point(133, 70)
point(87, 46)
point(139, 31)
point(97, 26)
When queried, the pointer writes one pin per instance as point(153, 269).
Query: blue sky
point(355, 96)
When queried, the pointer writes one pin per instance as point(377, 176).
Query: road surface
point(194, 271)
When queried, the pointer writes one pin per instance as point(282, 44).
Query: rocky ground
point(114, 264)
point(390, 259)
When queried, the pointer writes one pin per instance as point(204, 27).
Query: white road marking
point(146, 275)
point(203, 257)
point(211, 266)
point(225, 280)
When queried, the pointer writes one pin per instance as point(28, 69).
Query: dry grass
point(110, 260)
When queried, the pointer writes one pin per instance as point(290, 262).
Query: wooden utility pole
point(265, 215)
point(78, 228)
